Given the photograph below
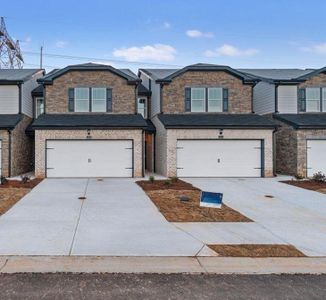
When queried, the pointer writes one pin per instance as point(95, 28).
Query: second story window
point(39, 106)
point(324, 99)
point(81, 99)
point(313, 99)
point(98, 100)
point(142, 107)
point(215, 99)
point(198, 100)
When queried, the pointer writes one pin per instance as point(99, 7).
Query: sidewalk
point(192, 265)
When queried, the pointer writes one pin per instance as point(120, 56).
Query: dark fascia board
point(220, 127)
point(87, 127)
point(311, 74)
point(13, 125)
point(51, 77)
point(297, 126)
point(246, 79)
point(11, 82)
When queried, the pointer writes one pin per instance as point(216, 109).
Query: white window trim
point(323, 95)
point(105, 99)
point(36, 100)
point(191, 99)
point(145, 106)
point(75, 100)
point(314, 100)
point(217, 100)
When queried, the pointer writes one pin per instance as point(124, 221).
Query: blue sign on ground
point(209, 199)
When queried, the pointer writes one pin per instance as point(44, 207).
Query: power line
point(84, 58)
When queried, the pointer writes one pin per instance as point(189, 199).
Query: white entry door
point(89, 158)
point(219, 158)
point(316, 152)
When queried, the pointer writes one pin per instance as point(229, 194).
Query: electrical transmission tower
point(10, 54)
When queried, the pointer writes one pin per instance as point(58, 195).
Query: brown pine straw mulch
point(256, 250)
point(308, 184)
point(167, 200)
point(12, 191)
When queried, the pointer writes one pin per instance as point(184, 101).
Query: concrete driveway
point(294, 215)
point(117, 218)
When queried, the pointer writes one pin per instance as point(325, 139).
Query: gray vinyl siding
point(155, 98)
point(9, 99)
point(264, 98)
point(27, 99)
point(287, 99)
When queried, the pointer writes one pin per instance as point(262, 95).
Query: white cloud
point(166, 25)
point(194, 33)
point(61, 44)
point(318, 49)
point(157, 52)
point(229, 50)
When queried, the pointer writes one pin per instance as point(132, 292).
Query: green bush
point(167, 182)
point(319, 177)
point(174, 179)
point(151, 178)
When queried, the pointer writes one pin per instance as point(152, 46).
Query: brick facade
point(315, 81)
point(42, 135)
point(21, 150)
point(124, 95)
point(173, 94)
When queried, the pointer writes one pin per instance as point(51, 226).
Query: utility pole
point(41, 58)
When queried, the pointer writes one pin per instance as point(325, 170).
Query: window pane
point(39, 106)
point(214, 105)
point(324, 99)
point(313, 106)
point(98, 93)
point(198, 105)
point(198, 94)
point(99, 106)
point(313, 99)
point(215, 94)
point(82, 94)
point(81, 105)
point(141, 109)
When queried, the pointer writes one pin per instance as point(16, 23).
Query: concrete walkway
point(216, 265)
point(115, 219)
point(293, 216)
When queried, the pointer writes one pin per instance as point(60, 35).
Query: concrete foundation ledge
point(167, 265)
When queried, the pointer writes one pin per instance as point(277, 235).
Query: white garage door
point(316, 162)
point(219, 158)
point(89, 158)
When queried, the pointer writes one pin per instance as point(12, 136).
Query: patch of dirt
point(174, 210)
point(308, 185)
point(10, 196)
point(18, 184)
point(257, 250)
point(162, 185)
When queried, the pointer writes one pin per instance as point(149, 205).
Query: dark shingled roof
point(10, 121)
point(215, 121)
point(17, 75)
point(150, 126)
point(125, 73)
point(85, 121)
point(38, 91)
point(303, 120)
point(276, 74)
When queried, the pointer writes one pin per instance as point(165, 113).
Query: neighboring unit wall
point(4, 137)
point(124, 95)
point(172, 135)
point(21, 149)
point(155, 98)
point(173, 94)
point(160, 147)
point(264, 98)
point(27, 99)
point(287, 99)
point(42, 135)
point(315, 81)
point(9, 99)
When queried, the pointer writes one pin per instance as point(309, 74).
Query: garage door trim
point(262, 149)
point(132, 150)
point(307, 140)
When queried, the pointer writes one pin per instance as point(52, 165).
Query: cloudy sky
point(144, 33)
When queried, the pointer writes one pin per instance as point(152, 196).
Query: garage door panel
point(316, 162)
point(219, 158)
point(89, 158)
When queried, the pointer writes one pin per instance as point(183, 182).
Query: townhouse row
point(203, 120)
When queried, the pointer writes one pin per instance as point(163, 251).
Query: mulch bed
point(167, 200)
point(12, 191)
point(257, 250)
point(308, 184)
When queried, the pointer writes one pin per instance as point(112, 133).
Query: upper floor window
point(90, 100)
point(211, 99)
point(313, 99)
point(39, 106)
point(98, 99)
point(142, 107)
point(81, 100)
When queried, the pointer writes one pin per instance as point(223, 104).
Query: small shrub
point(299, 177)
point(319, 177)
point(3, 180)
point(174, 179)
point(151, 179)
point(24, 179)
point(167, 182)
